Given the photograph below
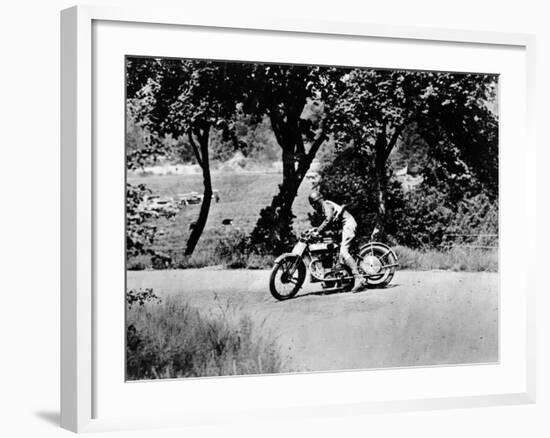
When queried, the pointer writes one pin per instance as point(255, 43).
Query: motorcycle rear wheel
point(384, 257)
point(282, 283)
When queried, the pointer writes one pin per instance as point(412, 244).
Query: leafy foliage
point(273, 232)
point(449, 112)
point(431, 220)
point(427, 217)
point(140, 297)
point(181, 98)
point(141, 223)
point(444, 117)
point(349, 180)
point(201, 110)
point(178, 97)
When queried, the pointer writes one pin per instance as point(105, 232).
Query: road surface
point(422, 318)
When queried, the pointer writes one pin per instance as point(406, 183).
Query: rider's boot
point(358, 281)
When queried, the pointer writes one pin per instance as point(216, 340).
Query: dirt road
point(423, 318)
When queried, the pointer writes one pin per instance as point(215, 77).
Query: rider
point(337, 215)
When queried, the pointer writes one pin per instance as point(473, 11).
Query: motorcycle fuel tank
point(326, 245)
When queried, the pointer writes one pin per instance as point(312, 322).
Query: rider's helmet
point(314, 198)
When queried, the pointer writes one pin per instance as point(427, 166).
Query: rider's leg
point(352, 264)
point(348, 234)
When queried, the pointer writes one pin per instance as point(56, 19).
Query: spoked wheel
point(287, 277)
point(379, 263)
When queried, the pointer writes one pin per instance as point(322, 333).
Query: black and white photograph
point(282, 219)
point(287, 218)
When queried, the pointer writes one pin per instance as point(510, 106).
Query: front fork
point(300, 249)
point(297, 261)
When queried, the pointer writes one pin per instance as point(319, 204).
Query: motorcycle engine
point(316, 269)
point(324, 252)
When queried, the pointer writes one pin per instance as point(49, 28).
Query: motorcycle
point(319, 255)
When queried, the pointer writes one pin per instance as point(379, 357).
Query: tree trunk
point(287, 191)
point(381, 186)
point(383, 148)
point(198, 226)
point(273, 231)
point(380, 178)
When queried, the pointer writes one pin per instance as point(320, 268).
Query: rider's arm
point(328, 212)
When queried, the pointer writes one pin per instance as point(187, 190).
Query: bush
point(140, 297)
point(137, 264)
point(273, 233)
point(141, 226)
point(230, 249)
point(427, 221)
point(432, 215)
point(173, 339)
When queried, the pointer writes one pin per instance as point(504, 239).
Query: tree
point(449, 110)
point(348, 180)
point(295, 100)
point(181, 98)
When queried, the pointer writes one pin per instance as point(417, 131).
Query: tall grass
point(227, 248)
point(454, 259)
point(172, 339)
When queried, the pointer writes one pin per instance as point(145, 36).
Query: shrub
point(230, 249)
point(136, 264)
point(428, 221)
point(140, 297)
point(173, 339)
point(273, 233)
point(141, 226)
point(435, 213)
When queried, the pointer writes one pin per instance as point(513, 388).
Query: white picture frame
point(80, 165)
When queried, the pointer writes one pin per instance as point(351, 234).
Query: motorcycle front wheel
point(287, 277)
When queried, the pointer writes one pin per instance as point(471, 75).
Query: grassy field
point(242, 196)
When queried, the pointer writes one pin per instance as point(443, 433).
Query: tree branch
point(382, 139)
point(304, 164)
point(195, 148)
point(202, 134)
point(317, 144)
point(275, 125)
point(396, 133)
point(300, 149)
